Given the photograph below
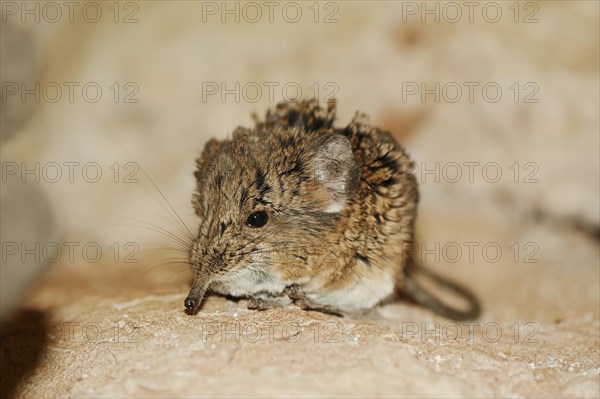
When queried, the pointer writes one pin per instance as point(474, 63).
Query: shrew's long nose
point(194, 298)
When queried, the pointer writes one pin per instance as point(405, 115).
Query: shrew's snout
point(190, 304)
point(194, 298)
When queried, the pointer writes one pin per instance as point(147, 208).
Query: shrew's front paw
point(303, 302)
point(264, 304)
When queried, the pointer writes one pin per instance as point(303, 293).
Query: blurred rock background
point(148, 83)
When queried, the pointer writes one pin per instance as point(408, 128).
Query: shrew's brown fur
point(340, 202)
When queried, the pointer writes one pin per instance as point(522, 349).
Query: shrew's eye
point(257, 219)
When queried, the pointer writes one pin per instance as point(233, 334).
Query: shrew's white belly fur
point(371, 289)
point(248, 281)
point(368, 292)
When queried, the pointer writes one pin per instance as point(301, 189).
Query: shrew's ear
point(336, 170)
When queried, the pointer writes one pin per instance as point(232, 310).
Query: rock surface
point(127, 336)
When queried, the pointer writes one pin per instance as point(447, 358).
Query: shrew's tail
point(425, 298)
